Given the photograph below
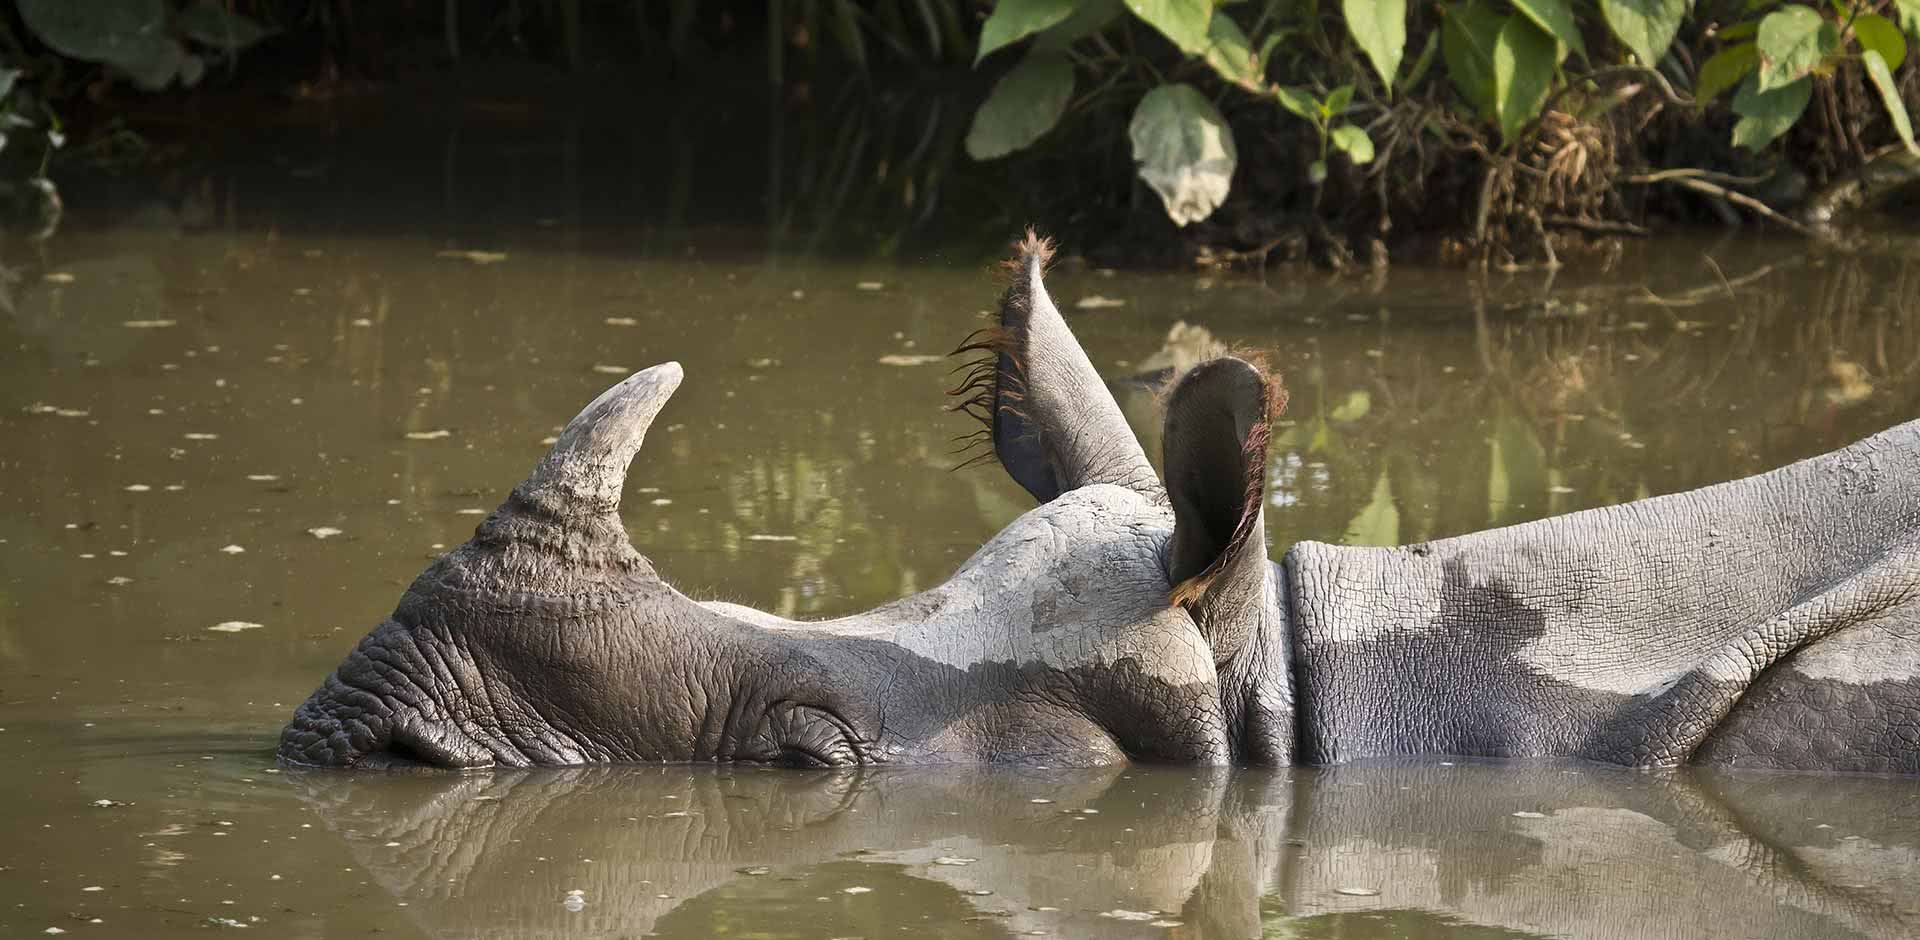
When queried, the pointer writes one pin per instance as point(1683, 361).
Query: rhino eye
point(795, 735)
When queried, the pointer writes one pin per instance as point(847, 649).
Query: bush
point(1527, 84)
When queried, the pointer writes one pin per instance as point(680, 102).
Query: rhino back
point(1631, 633)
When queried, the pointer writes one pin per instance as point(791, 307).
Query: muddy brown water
point(207, 425)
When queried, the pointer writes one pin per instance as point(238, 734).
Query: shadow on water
point(264, 405)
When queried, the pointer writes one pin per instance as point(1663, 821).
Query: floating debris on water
point(42, 408)
point(663, 501)
point(324, 532)
point(470, 511)
point(475, 256)
point(954, 860)
point(763, 537)
point(755, 870)
point(1138, 917)
point(200, 436)
point(1529, 814)
point(108, 804)
point(857, 889)
point(1040, 799)
point(93, 888)
point(622, 321)
point(263, 477)
point(234, 626)
point(612, 370)
point(362, 322)
point(433, 435)
point(1097, 302)
point(119, 580)
point(57, 277)
point(870, 285)
point(233, 550)
point(137, 488)
point(897, 359)
point(148, 324)
point(1354, 892)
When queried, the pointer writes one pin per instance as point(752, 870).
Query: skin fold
point(1770, 621)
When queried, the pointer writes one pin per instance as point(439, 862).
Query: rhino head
point(1118, 619)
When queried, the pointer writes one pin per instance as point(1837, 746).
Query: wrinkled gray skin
point(1772, 621)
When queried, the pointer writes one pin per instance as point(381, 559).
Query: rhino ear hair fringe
point(995, 381)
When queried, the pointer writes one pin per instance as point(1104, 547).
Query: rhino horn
point(570, 505)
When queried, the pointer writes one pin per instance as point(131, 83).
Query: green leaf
point(1765, 115)
point(1022, 107)
point(1890, 96)
point(155, 62)
point(1523, 60)
point(1379, 522)
point(1793, 39)
point(1645, 26)
point(1466, 41)
point(1317, 172)
point(1725, 69)
point(1423, 62)
point(1556, 17)
point(1354, 142)
point(1379, 27)
point(1909, 13)
point(98, 30)
point(1738, 31)
point(1231, 55)
point(1183, 22)
point(1089, 17)
point(1878, 34)
point(1184, 151)
point(1267, 46)
point(7, 78)
point(1014, 20)
point(214, 27)
point(1299, 102)
point(1337, 101)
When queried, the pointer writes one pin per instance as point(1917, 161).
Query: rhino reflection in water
point(1772, 621)
point(1592, 853)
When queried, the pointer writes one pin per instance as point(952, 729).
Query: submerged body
point(1771, 621)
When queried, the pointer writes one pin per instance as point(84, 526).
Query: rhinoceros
point(1772, 621)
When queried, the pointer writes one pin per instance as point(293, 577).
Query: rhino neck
point(1256, 685)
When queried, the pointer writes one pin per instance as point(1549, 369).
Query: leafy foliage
point(1502, 64)
point(149, 41)
point(1024, 104)
point(1184, 150)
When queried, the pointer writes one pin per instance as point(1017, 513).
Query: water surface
point(208, 419)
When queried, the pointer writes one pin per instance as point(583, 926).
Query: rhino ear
point(1047, 413)
point(1219, 416)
